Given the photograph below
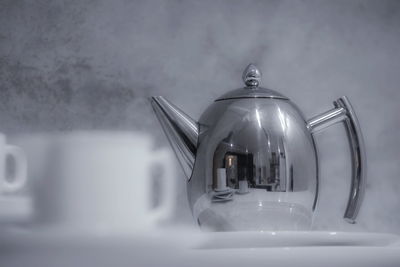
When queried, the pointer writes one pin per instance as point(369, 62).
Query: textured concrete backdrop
point(84, 64)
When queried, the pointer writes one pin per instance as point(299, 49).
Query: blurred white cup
point(100, 180)
point(15, 203)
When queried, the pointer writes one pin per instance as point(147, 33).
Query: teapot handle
point(343, 111)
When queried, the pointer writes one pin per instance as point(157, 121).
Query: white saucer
point(223, 195)
point(271, 239)
point(223, 190)
point(227, 190)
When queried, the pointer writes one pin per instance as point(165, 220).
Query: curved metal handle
point(343, 111)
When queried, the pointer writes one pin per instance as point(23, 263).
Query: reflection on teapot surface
point(263, 144)
point(251, 159)
point(262, 167)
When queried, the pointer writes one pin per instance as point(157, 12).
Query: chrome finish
point(264, 143)
point(359, 160)
point(251, 76)
point(343, 111)
point(327, 119)
point(181, 131)
point(252, 92)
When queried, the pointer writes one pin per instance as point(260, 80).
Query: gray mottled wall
point(85, 64)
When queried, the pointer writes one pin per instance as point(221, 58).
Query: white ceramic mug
point(18, 179)
point(99, 179)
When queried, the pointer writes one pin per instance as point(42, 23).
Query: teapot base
point(253, 216)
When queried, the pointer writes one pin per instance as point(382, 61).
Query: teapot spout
point(181, 130)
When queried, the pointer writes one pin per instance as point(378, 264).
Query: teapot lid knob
point(251, 76)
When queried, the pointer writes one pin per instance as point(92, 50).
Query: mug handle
point(168, 186)
point(21, 167)
point(344, 112)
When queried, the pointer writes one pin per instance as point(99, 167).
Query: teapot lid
point(251, 78)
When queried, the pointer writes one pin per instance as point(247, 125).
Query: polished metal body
point(265, 148)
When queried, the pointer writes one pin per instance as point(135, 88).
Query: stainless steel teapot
point(251, 161)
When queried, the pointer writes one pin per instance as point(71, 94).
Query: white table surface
point(184, 247)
